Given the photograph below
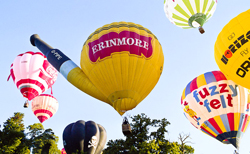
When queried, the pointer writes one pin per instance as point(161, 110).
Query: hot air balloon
point(84, 136)
point(189, 13)
point(44, 106)
point(217, 106)
point(63, 151)
point(32, 74)
point(121, 63)
point(231, 49)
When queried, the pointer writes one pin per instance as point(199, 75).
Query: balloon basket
point(26, 104)
point(126, 129)
point(201, 30)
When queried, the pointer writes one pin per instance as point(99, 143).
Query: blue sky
point(67, 24)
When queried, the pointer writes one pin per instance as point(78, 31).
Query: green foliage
point(12, 135)
point(14, 140)
point(42, 141)
point(145, 141)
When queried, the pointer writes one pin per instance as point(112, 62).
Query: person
point(125, 120)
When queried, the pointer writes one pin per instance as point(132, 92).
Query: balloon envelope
point(63, 151)
point(32, 74)
point(124, 61)
point(44, 106)
point(231, 49)
point(189, 13)
point(217, 107)
point(84, 136)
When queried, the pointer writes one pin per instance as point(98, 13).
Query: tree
point(145, 141)
point(184, 148)
point(14, 140)
point(12, 136)
point(42, 141)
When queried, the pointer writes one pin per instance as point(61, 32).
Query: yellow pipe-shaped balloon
point(67, 68)
point(121, 63)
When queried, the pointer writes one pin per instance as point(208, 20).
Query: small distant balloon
point(189, 13)
point(44, 106)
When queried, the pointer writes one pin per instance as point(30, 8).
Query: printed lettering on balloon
point(56, 54)
point(236, 45)
point(231, 36)
point(225, 98)
point(244, 52)
point(49, 74)
point(244, 68)
point(113, 42)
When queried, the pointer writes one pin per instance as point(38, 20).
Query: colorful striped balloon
point(44, 106)
point(189, 13)
point(32, 74)
point(217, 107)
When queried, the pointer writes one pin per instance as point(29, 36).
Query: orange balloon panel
point(124, 61)
point(44, 106)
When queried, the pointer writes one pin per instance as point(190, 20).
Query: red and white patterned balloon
point(32, 74)
point(44, 106)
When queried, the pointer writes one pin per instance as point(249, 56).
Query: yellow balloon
point(124, 61)
point(232, 49)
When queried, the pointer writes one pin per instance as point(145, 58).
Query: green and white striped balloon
point(189, 13)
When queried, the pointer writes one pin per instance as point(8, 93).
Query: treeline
point(14, 139)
